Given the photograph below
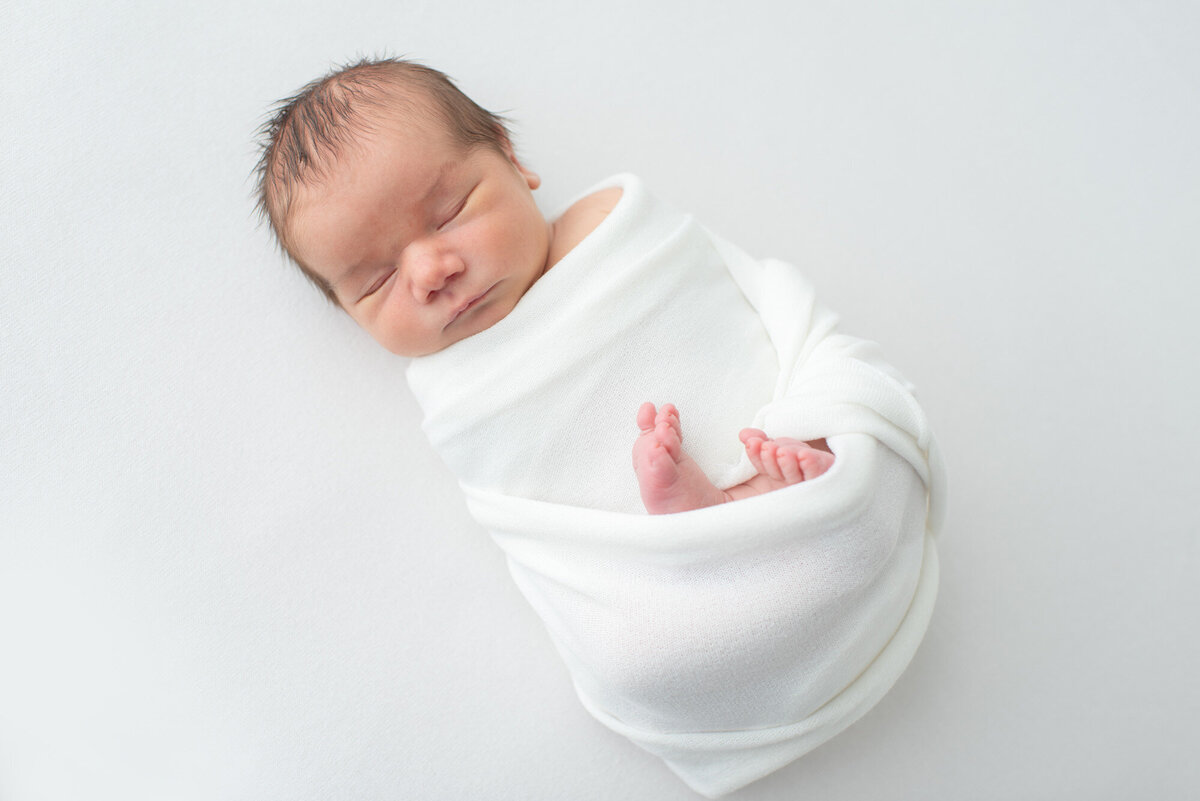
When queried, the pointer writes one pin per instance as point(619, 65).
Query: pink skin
point(671, 481)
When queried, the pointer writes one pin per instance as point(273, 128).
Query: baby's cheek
point(392, 327)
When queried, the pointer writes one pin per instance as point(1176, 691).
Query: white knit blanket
point(728, 640)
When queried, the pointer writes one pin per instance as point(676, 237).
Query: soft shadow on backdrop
point(231, 568)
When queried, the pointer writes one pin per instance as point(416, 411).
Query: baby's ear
point(531, 177)
point(510, 153)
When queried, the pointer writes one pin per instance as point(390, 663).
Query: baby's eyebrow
point(347, 275)
point(439, 182)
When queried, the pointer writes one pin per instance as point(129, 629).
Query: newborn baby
point(406, 204)
point(726, 638)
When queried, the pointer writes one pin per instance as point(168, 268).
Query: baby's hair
point(308, 131)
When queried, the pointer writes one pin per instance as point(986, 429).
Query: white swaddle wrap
point(728, 640)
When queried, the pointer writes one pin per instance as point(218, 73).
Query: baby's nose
point(432, 272)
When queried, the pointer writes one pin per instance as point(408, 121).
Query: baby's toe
point(655, 468)
point(668, 436)
point(814, 463)
point(669, 414)
point(752, 433)
point(645, 416)
point(770, 460)
point(754, 452)
point(789, 465)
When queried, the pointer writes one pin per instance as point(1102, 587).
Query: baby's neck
point(578, 221)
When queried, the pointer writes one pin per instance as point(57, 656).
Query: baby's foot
point(670, 480)
point(782, 462)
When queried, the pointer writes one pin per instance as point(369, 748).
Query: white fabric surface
point(728, 640)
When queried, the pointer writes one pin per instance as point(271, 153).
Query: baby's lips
point(454, 314)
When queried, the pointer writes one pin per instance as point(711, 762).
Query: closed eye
point(375, 287)
point(457, 211)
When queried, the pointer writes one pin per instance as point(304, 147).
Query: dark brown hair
point(308, 131)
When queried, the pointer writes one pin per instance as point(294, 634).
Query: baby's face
point(424, 244)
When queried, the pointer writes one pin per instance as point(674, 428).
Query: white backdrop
point(230, 568)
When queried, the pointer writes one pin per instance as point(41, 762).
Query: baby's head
point(403, 201)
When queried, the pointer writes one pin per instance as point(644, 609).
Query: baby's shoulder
point(573, 226)
point(589, 211)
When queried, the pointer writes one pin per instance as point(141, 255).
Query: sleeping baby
point(406, 204)
point(727, 638)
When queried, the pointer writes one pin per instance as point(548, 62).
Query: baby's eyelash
point(375, 287)
point(457, 211)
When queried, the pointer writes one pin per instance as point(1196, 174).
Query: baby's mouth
point(454, 315)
